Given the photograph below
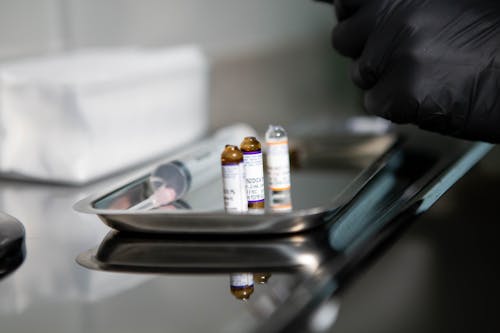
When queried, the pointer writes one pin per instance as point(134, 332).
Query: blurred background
point(271, 60)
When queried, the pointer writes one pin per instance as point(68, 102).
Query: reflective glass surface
point(188, 283)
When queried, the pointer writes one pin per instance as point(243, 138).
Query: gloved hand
point(434, 63)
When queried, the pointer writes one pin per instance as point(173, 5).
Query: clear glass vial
point(278, 169)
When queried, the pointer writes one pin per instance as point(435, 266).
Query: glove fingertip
point(362, 76)
point(340, 42)
point(340, 11)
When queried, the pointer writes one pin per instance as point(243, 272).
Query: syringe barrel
point(199, 165)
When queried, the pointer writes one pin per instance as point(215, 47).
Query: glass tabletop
point(183, 284)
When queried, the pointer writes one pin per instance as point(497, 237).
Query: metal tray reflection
point(129, 252)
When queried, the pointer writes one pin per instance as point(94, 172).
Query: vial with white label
point(254, 174)
point(233, 180)
point(278, 169)
point(241, 285)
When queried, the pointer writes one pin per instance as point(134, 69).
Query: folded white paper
point(77, 117)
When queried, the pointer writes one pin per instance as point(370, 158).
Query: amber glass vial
point(254, 173)
point(241, 285)
point(261, 278)
point(233, 180)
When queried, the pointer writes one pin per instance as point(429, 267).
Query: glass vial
point(278, 169)
point(254, 173)
point(233, 180)
point(261, 278)
point(241, 285)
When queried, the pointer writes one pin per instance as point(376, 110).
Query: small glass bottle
point(241, 285)
point(233, 180)
point(278, 169)
point(254, 174)
point(261, 278)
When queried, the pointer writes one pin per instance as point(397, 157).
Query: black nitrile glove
point(434, 63)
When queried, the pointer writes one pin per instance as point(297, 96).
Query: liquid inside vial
point(241, 285)
point(278, 169)
point(254, 173)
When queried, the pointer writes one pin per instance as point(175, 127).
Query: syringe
point(191, 169)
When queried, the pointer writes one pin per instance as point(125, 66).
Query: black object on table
point(12, 249)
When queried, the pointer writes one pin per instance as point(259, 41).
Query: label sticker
point(234, 188)
point(254, 173)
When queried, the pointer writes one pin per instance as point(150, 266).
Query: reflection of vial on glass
point(241, 285)
point(278, 169)
point(233, 179)
point(261, 278)
point(254, 173)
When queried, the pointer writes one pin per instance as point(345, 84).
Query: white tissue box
point(77, 117)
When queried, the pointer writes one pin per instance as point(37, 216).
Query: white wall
point(28, 27)
point(272, 59)
point(223, 27)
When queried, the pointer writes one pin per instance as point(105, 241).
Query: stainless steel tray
point(322, 185)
